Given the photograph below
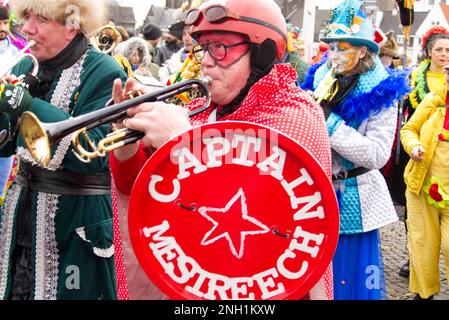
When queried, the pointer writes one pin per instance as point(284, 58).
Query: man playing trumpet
point(241, 56)
point(56, 225)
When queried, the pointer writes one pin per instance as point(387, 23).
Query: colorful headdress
point(429, 34)
point(350, 24)
point(294, 41)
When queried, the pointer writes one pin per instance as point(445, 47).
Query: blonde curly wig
point(89, 15)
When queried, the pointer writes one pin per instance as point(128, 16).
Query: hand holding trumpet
point(14, 97)
point(14, 100)
point(5, 70)
point(9, 79)
point(157, 120)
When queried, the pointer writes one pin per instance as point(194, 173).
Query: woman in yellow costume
point(427, 77)
point(425, 138)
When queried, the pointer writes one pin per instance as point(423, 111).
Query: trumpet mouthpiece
point(30, 44)
point(206, 80)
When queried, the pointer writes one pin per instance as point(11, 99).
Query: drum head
point(233, 210)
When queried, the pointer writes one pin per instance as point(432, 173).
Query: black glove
point(7, 129)
point(3, 138)
point(14, 100)
point(326, 109)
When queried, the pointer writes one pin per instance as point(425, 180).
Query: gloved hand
point(14, 100)
point(3, 137)
point(326, 109)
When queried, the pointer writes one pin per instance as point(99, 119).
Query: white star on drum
point(227, 217)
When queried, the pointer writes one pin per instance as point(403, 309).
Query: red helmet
point(258, 19)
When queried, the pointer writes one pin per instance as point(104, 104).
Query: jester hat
point(350, 24)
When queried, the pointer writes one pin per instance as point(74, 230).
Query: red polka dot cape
point(274, 101)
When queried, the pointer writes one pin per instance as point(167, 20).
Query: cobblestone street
point(395, 254)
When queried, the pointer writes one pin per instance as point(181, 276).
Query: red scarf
point(446, 119)
point(444, 135)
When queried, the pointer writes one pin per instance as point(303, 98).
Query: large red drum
point(233, 210)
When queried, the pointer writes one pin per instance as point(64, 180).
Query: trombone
point(105, 39)
point(6, 69)
point(40, 136)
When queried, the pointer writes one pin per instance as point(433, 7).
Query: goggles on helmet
point(219, 13)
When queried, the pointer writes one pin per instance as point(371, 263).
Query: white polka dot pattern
point(122, 286)
point(276, 102)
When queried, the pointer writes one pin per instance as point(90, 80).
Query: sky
point(141, 7)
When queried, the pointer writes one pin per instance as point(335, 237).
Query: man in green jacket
point(56, 238)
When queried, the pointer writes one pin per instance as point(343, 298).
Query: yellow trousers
point(428, 230)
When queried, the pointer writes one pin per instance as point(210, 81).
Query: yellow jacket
point(423, 129)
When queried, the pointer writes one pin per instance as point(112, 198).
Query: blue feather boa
point(358, 106)
point(310, 75)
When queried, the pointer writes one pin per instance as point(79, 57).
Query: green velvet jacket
point(72, 236)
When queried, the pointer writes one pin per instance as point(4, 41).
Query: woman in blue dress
point(359, 100)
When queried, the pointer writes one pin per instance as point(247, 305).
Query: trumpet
point(5, 70)
point(105, 39)
point(40, 136)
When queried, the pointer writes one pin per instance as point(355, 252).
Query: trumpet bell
point(105, 39)
point(5, 69)
point(36, 138)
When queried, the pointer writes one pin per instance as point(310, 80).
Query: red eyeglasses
point(218, 13)
point(217, 50)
